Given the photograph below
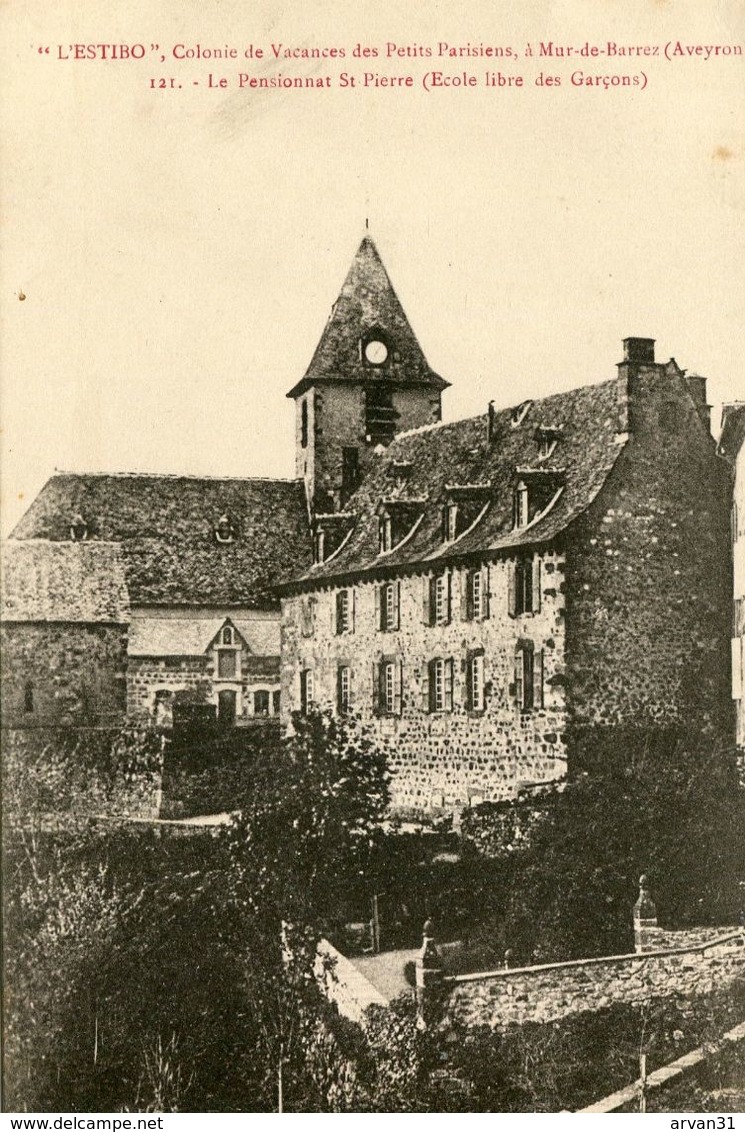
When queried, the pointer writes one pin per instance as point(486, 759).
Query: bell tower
point(367, 381)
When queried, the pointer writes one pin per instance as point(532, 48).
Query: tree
point(668, 807)
point(145, 970)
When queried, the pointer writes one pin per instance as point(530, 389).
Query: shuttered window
point(440, 689)
point(387, 600)
point(476, 594)
point(528, 676)
point(345, 611)
point(436, 599)
point(525, 586)
point(475, 681)
point(344, 689)
point(388, 686)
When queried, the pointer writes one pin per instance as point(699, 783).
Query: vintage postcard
point(373, 568)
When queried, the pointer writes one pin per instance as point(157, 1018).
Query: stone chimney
point(637, 353)
point(640, 350)
point(645, 918)
point(428, 978)
point(491, 422)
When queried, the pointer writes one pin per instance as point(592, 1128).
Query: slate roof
point(166, 525)
point(70, 582)
point(460, 453)
point(367, 302)
point(191, 636)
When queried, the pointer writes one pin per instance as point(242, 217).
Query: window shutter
point(376, 695)
point(339, 691)
point(536, 583)
point(470, 704)
point(485, 577)
point(427, 686)
point(466, 602)
point(448, 678)
point(538, 678)
point(378, 607)
point(398, 687)
point(427, 600)
point(512, 570)
point(448, 594)
point(519, 677)
point(352, 592)
point(338, 627)
point(395, 605)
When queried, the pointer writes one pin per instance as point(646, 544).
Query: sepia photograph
point(372, 570)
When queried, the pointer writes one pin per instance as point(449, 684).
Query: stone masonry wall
point(551, 991)
point(647, 578)
point(440, 759)
point(195, 675)
point(56, 674)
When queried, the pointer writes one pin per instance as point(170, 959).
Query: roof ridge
point(177, 476)
point(503, 408)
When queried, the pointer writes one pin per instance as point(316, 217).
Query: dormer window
point(537, 490)
point(464, 505)
point(521, 505)
point(545, 447)
point(546, 439)
point(449, 522)
point(400, 472)
point(398, 519)
point(319, 545)
point(330, 533)
point(518, 413)
point(385, 534)
point(224, 531)
point(78, 528)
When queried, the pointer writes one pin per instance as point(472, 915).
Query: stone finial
point(508, 957)
point(428, 975)
point(645, 917)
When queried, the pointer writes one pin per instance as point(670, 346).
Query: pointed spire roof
point(368, 310)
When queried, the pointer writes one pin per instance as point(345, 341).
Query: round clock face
point(376, 352)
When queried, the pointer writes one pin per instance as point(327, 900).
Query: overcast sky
point(179, 250)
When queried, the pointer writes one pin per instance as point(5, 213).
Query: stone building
point(493, 595)
point(64, 635)
point(200, 558)
point(732, 447)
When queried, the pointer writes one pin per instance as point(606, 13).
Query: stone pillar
point(645, 918)
point(428, 978)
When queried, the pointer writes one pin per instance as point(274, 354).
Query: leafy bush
point(667, 807)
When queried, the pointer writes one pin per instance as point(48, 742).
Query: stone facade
point(647, 574)
point(59, 674)
point(459, 754)
point(612, 499)
point(64, 635)
point(154, 682)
